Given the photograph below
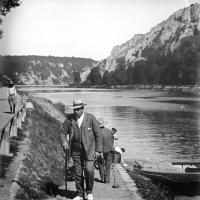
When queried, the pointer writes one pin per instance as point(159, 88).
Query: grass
point(148, 190)
point(4, 164)
point(44, 163)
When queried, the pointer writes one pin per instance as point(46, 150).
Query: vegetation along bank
point(43, 162)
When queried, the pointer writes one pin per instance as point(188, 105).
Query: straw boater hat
point(78, 104)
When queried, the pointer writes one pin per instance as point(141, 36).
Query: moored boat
point(189, 175)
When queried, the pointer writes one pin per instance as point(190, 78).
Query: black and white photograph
point(100, 99)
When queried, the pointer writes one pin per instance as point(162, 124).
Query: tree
point(95, 76)
point(152, 71)
point(112, 79)
point(138, 75)
point(77, 78)
point(190, 54)
point(129, 73)
point(120, 72)
point(172, 71)
point(5, 7)
point(106, 78)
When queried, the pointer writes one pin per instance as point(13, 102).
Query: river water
point(153, 125)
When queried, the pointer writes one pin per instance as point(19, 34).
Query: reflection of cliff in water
point(173, 133)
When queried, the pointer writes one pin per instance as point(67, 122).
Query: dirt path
point(10, 172)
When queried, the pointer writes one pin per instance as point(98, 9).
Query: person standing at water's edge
point(114, 130)
point(108, 148)
point(12, 97)
point(85, 141)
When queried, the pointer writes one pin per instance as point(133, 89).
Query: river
point(154, 125)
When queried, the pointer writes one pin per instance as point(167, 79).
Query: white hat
point(78, 104)
point(119, 150)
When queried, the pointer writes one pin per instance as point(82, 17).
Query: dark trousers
point(105, 166)
point(12, 99)
point(83, 166)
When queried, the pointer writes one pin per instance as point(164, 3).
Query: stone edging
point(129, 182)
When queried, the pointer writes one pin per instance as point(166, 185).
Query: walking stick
point(66, 167)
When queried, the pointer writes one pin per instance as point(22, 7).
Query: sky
point(80, 28)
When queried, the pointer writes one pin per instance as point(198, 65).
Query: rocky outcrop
point(166, 36)
point(43, 70)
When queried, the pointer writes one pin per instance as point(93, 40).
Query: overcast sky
point(80, 28)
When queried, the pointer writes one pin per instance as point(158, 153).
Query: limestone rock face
point(166, 35)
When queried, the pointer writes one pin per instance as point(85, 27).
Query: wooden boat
point(189, 174)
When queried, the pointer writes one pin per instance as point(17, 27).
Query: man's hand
point(115, 138)
point(65, 146)
point(97, 154)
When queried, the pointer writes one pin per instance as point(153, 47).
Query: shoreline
point(190, 90)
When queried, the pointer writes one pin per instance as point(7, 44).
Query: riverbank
point(191, 90)
point(158, 191)
point(41, 161)
point(184, 89)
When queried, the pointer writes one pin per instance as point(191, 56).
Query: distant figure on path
point(85, 142)
point(104, 165)
point(12, 97)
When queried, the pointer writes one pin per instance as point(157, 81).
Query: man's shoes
point(78, 198)
point(115, 186)
point(90, 196)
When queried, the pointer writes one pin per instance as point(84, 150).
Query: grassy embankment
point(148, 190)
point(43, 164)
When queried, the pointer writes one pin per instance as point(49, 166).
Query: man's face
point(78, 111)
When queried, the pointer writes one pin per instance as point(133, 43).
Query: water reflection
point(155, 134)
point(174, 134)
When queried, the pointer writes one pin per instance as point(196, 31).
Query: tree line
point(180, 67)
point(5, 7)
point(43, 67)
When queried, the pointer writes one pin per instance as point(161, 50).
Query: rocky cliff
point(43, 70)
point(166, 36)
